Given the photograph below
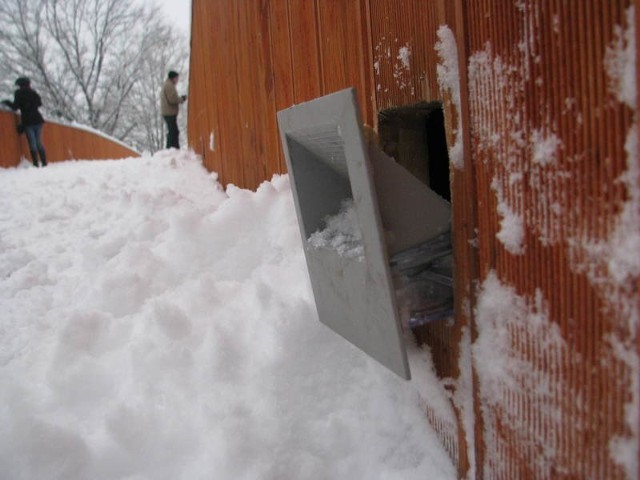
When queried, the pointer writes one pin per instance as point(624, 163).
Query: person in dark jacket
point(28, 102)
point(169, 107)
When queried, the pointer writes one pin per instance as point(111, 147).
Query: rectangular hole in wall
point(414, 136)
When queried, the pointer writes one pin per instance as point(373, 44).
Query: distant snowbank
point(154, 326)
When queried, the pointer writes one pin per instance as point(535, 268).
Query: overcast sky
point(178, 12)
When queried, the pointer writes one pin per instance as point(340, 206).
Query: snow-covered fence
point(62, 142)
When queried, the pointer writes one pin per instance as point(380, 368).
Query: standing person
point(170, 105)
point(28, 102)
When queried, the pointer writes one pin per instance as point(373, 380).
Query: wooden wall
point(251, 59)
point(62, 142)
point(543, 139)
point(547, 138)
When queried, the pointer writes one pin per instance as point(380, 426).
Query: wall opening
point(377, 238)
point(414, 136)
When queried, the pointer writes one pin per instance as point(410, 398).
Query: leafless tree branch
point(96, 62)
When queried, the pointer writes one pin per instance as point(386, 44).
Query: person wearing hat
point(28, 102)
point(169, 106)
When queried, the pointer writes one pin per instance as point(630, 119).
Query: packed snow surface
point(154, 326)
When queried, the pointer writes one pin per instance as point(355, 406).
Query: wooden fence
point(62, 142)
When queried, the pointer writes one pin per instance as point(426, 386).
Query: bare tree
point(152, 72)
point(92, 60)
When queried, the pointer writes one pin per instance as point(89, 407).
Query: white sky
point(178, 12)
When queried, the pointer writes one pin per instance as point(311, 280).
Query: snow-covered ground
point(153, 326)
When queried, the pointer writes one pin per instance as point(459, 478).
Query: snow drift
point(154, 326)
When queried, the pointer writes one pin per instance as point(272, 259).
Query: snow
point(624, 243)
point(622, 247)
point(509, 325)
point(511, 233)
point(620, 62)
point(622, 448)
point(533, 180)
point(449, 81)
point(341, 233)
point(212, 142)
point(555, 23)
point(524, 156)
point(436, 398)
point(154, 326)
point(402, 68)
point(614, 262)
point(404, 55)
point(545, 147)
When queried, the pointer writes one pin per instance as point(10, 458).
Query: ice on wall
point(154, 326)
point(399, 65)
point(621, 249)
point(402, 68)
point(341, 233)
point(449, 81)
point(524, 157)
point(404, 55)
point(614, 264)
point(624, 448)
point(545, 147)
point(509, 325)
point(615, 259)
point(511, 233)
point(531, 152)
point(534, 175)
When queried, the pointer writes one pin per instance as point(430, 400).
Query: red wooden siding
point(532, 73)
point(540, 74)
point(251, 59)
